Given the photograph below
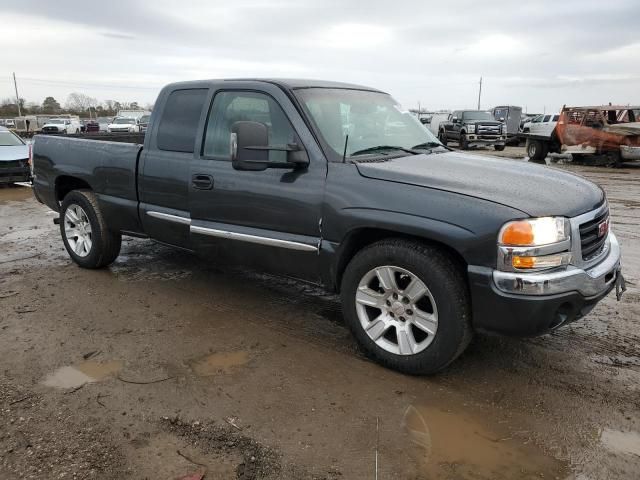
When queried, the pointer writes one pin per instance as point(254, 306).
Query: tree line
point(76, 104)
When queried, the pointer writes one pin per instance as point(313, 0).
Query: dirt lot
point(163, 366)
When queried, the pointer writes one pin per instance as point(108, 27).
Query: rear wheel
point(537, 151)
point(407, 305)
point(85, 234)
point(499, 148)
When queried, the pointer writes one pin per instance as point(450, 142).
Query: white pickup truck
point(62, 125)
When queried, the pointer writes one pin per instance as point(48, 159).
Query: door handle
point(202, 181)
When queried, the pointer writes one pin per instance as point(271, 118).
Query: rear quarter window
point(180, 117)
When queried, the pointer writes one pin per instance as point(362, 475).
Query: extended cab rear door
point(268, 219)
point(163, 176)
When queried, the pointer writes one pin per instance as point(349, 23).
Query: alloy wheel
point(396, 310)
point(77, 230)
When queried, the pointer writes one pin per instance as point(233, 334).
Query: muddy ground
point(162, 366)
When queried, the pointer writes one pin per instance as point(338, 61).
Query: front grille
point(488, 130)
point(591, 239)
point(50, 130)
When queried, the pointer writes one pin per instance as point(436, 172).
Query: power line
point(65, 83)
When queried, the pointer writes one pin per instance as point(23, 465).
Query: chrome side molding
point(169, 217)
point(242, 237)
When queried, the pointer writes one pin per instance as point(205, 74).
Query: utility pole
point(479, 93)
point(17, 97)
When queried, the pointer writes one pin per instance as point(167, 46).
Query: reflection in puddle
point(220, 362)
point(77, 375)
point(621, 442)
point(456, 445)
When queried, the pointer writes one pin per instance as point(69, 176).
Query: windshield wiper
point(381, 148)
point(427, 145)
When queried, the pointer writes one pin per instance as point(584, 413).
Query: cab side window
point(230, 107)
point(180, 118)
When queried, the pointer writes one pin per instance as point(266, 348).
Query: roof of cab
point(284, 83)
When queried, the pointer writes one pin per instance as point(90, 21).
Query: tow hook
point(56, 221)
point(621, 285)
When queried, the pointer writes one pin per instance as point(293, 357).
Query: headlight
point(534, 244)
point(534, 232)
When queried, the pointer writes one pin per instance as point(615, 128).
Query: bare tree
point(79, 102)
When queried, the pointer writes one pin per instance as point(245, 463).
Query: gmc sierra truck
point(473, 128)
point(335, 184)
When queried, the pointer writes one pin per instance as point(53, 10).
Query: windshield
point(57, 121)
point(477, 116)
point(8, 139)
point(370, 119)
point(126, 121)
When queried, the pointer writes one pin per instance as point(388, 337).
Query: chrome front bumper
point(588, 282)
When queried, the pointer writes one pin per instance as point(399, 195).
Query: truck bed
point(106, 163)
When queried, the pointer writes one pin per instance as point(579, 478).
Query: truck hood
point(59, 126)
point(17, 152)
point(533, 189)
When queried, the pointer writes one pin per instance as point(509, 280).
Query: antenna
point(344, 153)
point(479, 93)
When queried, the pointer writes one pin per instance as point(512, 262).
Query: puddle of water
point(621, 442)
point(85, 372)
point(220, 362)
point(457, 445)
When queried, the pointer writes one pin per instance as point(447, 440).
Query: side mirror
point(454, 119)
point(501, 119)
point(249, 148)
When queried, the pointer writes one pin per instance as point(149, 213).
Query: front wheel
point(85, 234)
point(407, 305)
point(464, 144)
point(537, 151)
point(442, 136)
point(499, 148)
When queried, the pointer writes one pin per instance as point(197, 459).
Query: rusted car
point(611, 131)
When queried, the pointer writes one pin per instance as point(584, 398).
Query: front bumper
point(473, 139)
point(529, 304)
point(10, 175)
point(628, 152)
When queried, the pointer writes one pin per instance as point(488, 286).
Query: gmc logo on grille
point(603, 228)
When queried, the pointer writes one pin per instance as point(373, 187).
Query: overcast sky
point(538, 54)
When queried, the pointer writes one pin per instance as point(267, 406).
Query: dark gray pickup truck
point(337, 185)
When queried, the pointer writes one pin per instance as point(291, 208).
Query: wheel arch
point(67, 183)
point(361, 237)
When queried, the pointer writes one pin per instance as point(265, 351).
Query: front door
point(268, 220)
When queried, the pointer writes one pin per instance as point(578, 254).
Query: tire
point(442, 136)
point(80, 210)
point(537, 151)
point(499, 148)
point(446, 300)
point(464, 144)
